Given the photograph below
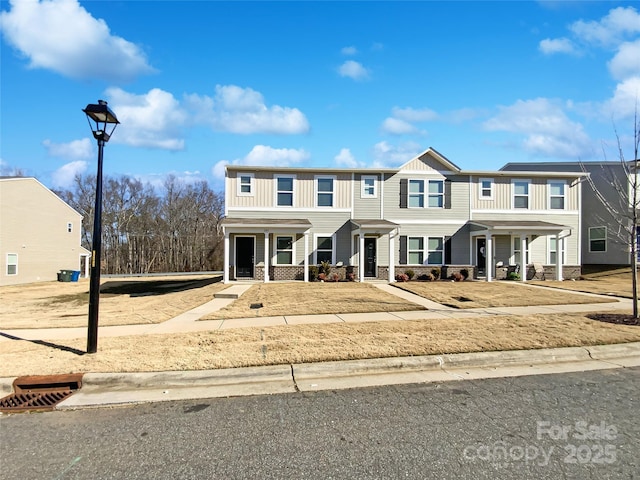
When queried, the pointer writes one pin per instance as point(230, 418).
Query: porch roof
point(266, 223)
point(518, 226)
point(374, 224)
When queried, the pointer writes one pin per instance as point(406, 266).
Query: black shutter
point(403, 249)
point(447, 194)
point(447, 250)
point(404, 192)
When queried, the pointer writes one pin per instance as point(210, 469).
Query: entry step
point(235, 291)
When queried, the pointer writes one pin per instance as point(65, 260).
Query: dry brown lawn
point(136, 300)
point(493, 294)
point(309, 343)
point(617, 283)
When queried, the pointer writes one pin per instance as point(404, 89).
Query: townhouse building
point(379, 222)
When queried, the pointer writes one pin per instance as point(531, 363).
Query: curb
point(111, 389)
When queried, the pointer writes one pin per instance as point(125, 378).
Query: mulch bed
point(617, 318)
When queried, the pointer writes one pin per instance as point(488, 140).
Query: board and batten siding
point(538, 194)
point(367, 207)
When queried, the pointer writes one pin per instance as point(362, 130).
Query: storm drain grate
point(40, 392)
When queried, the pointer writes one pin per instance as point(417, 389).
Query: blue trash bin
point(75, 275)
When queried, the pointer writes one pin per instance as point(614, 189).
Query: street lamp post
point(101, 116)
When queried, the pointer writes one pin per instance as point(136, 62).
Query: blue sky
point(197, 84)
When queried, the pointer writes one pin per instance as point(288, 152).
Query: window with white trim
point(435, 251)
point(369, 186)
point(521, 193)
point(553, 251)
point(485, 188)
point(324, 249)
point(245, 184)
point(557, 194)
point(12, 263)
point(515, 256)
point(284, 190)
point(436, 193)
point(416, 193)
point(415, 250)
point(597, 239)
point(324, 189)
point(284, 250)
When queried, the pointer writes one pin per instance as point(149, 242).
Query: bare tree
point(619, 193)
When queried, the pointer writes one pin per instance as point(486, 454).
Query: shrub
point(313, 273)
point(456, 277)
point(465, 273)
point(325, 267)
point(322, 277)
point(435, 271)
point(513, 276)
point(335, 277)
point(410, 273)
point(402, 277)
point(351, 276)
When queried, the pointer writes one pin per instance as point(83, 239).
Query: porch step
point(234, 292)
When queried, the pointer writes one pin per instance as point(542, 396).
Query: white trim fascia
point(287, 209)
point(427, 222)
point(227, 193)
point(428, 173)
point(352, 194)
point(527, 212)
point(277, 176)
point(381, 195)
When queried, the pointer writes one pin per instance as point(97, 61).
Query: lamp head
point(102, 116)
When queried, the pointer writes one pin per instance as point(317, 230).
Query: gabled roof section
point(432, 159)
point(33, 180)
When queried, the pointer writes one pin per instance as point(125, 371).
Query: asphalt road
point(575, 425)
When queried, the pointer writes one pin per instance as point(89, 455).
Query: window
point(324, 187)
point(597, 239)
point(436, 194)
point(12, 263)
point(521, 194)
point(416, 193)
point(435, 254)
point(556, 195)
point(553, 251)
point(485, 188)
point(516, 257)
point(324, 249)
point(284, 250)
point(69, 227)
point(284, 191)
point(245, 184)
point(369, 187)
point(415, 250)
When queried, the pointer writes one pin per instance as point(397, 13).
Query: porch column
point(361, 257)
point(306, 256)
point(559, 255)
point(523, 258)
point(488, 257)
point(392, 259)
point(266, 256)
point(225, 276)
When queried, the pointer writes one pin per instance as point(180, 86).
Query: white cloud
point(152, 120)
point(550, 46)
point(396, 126)
point(626, 62)
point(75, 150)
point(625, 100)
point(546, 128)
point(349, 50)
point(346, 159)
point(264, 155)
point(63, 176)
point(60, 35)
point(610, 29)
point(243, 110)
point(157, 180)
point(353, 70)
point(387, 155)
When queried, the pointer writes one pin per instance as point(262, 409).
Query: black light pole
point(102, 116)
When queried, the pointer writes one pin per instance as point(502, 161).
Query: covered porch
point(366, 233)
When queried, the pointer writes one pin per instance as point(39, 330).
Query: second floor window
point(416, 193)
point(556, 195)
point(485, 189)
point(245, 184)
point(436, 194)
point(325, 191)
point(520, 194)
point(284, 194)
point(369, 187)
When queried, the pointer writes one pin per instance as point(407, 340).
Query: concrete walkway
point(188, 321)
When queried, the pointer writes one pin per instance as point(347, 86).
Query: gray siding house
point(39, 233)
point(378, 223)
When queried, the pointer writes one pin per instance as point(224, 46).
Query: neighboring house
point(601, 240)
point(381, 222)
point(39, 233)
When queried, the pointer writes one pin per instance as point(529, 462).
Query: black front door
point(481, 256)
point(370, 257)
point(244, 257)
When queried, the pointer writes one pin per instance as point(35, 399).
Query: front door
point(245, 251)
point(481, 256)
point(370, 257)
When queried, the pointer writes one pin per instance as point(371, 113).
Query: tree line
point(175, 228)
